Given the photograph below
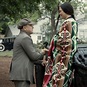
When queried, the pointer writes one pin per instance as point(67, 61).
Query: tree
point(12, 10)
point(51, 10)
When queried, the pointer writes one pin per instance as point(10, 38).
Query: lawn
point(6, 53)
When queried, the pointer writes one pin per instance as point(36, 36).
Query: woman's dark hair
point(68, 9)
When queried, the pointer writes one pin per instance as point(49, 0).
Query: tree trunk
point(53, 21)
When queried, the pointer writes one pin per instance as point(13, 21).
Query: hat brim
point(32, 23)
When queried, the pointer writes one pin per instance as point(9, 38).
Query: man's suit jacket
point(24, 54)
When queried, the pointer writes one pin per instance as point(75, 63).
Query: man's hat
point(24, 22)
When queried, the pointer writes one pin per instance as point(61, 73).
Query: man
point(24, 55)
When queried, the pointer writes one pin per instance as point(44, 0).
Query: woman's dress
point(60, 56)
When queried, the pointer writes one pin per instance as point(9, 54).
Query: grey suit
point(24, 54)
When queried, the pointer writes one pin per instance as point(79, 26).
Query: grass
point(6, 53)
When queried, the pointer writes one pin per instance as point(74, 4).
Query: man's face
point(28, 28)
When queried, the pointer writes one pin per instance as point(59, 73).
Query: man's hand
point(44, 62)
point(44, 50)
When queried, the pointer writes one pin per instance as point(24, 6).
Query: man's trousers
point(18, 83)
point(39, 74)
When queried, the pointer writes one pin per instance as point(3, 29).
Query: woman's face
point(62, 13)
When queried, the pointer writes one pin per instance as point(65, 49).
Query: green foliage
point(16, 9)
point(13, 10)
point(3, 25)
point(6, 53)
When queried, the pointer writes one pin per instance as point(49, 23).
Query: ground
point(4, 72)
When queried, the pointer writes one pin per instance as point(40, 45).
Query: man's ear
point(24, 27)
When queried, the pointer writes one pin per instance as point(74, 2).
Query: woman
point(62, 48)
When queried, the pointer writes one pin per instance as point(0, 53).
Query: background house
point(37, 35)
point(82, 23)
point(82, 29)
point(12, 31)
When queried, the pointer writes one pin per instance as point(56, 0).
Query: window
point(39, 37)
